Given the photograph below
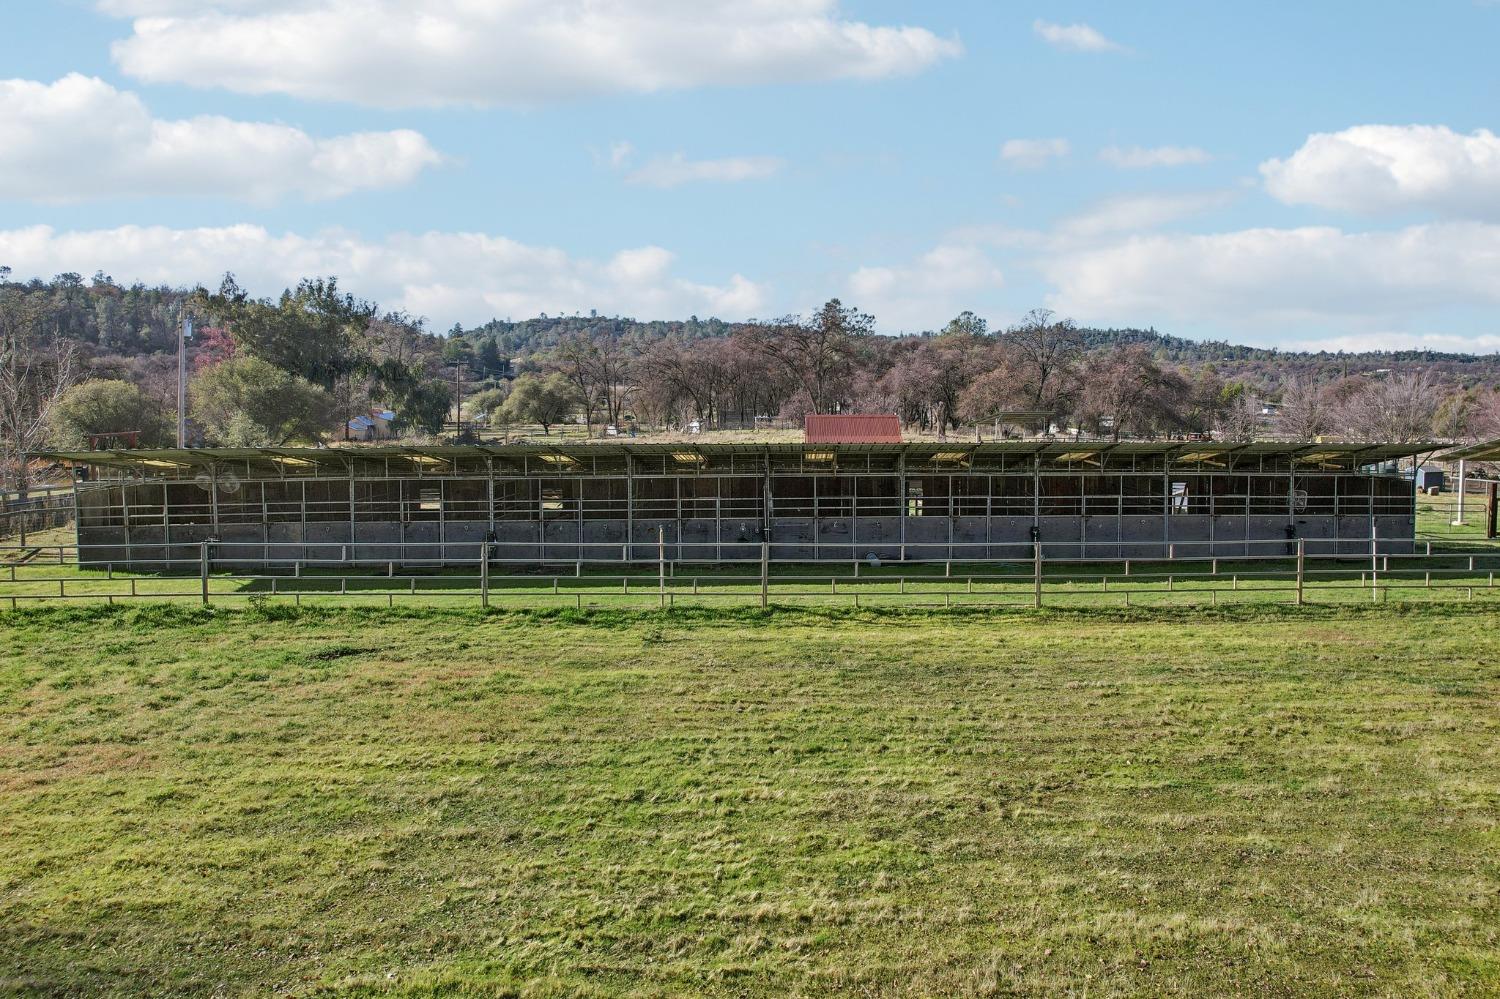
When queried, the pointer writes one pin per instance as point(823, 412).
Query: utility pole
point(458, 374)
point(183, 334)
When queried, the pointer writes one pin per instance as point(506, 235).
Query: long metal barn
point(719, 502)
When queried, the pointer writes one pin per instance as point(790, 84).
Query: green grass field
point(743, 803)
point(1438, 517)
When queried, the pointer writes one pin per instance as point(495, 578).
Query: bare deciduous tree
point(1455, 415)
point(1128, 391)
point(600, 369)
point(1045, 351)
point(673, 371)
point(1306, 410)
point(1239, 420)
point(1485, 421)
point(1397, 409)
point(818, 354)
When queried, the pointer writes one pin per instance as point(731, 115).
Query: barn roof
point(852, 428)
point(170, 463)
point(1483, 451)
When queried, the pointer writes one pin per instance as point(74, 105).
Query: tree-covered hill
point(110, 318)
point(530, 338)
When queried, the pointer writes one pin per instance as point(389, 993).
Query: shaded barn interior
point(719, 502)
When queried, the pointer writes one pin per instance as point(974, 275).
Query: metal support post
point(484, 575)
point(1036, 575)
point(1458, 520)
point(203, 569)
point(661, 565)
point(1301, 555)
point(765, 572)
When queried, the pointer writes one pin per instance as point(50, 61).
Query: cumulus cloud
point(1137, 157)
point(1074, 37)
point(1281, 276)
point(395, 53)
point(938, 283)
point(675, 170)
point(1375, 169)
point(81, 138)
point(446, 276)
point(1032, 154)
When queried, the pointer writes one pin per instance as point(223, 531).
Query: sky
point(1305, 175)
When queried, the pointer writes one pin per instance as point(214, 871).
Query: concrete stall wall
point(432, 520)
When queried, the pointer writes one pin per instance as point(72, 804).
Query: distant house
point(852, 428)
point(372, 426)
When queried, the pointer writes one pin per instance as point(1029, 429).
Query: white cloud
point(1281, 276)
point(1400, 340)
point(396, 53)
point(1137, 157)
point(620, 153)
point(81, 138)
point(674, 170)
point(1075, 37)
point(1138, 212)
point(446, 276)
point(1032, 154)
point(1374, 169)
point(937, 283)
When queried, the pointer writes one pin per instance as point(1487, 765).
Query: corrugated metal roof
point(1483, 451)
point(344, 458)
point(852, 428)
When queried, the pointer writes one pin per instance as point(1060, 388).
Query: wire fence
point(44, 511)
point(47, 574)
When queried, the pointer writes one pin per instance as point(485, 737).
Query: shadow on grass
point(147, 616)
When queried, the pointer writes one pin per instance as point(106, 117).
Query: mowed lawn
point(794, 803)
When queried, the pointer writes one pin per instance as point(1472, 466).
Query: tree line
point(80, 359)
point(264, 371)
point(1043, 374)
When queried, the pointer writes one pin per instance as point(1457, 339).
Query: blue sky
point(1284, 173)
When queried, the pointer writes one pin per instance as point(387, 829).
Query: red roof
point(853, 428)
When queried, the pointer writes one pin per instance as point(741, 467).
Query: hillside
point(139, 321)
point(529, 338)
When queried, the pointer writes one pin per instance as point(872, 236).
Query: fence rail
point(43, 575)
point(21, 518)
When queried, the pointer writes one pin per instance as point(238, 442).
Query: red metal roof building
point(853, 428)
